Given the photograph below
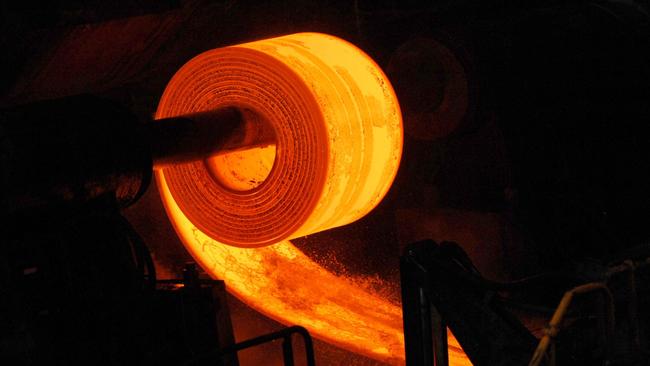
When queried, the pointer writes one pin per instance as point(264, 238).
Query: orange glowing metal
point(338, 141)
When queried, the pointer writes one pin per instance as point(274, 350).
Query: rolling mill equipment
point(303, 182)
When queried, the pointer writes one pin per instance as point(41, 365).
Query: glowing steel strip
point(283, 283)
point(338, 144)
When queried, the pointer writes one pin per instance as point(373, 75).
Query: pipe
point(553, 327)
point(200, 135)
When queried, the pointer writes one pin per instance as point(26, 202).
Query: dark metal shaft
point(200, 135)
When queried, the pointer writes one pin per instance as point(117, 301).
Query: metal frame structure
point(287, 347)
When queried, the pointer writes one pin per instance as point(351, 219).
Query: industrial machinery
point(252, 145)
point(181, 181)
point(598, 318)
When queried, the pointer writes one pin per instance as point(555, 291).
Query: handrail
point(287, 348)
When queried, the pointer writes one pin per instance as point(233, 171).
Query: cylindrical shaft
point(200, 135)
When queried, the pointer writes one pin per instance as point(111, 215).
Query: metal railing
point(287, 347)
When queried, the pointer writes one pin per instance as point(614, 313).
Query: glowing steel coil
point(338, 133)
point(338, 142)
